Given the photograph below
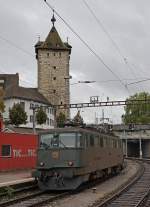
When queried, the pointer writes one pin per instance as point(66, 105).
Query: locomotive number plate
point(55, 155)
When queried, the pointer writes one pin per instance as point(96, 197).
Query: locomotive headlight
point(41, 163)
point(70, 163)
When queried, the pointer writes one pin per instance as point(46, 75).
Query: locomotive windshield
point(61, 140)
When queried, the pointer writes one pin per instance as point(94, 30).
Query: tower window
point(54, 78)
point(54, 67)
point(61, 102)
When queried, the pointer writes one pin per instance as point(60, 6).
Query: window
point(31, 105)
point(54, 53)
point(54, 67)
point(22, 104)
point(108, 141)
point(59, 54)
point(101, 141)
point(6, 151)
point(47, 121)
point(54, 78)
point(60, 140)
point(54, 91)
point(87, 140)
point(47, 54)
point(80, 140)
point(91, 140)
point(31, 118)
point(96, 140)
point(52, 111)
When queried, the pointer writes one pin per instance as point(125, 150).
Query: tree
point(41, 116)
point(17, 115)
point(138, 113)
point(2, 105)
point(78, 120)
point(61, 120)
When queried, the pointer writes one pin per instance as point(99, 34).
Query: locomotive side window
point(101, 141)
point(107, 141)
point(80, 140)
point(87, 140)
point(104, 142)
point(91, 140)
point(96, 140)
point(6, 151)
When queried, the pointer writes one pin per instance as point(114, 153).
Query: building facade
point(28, 98)
point(53, 57)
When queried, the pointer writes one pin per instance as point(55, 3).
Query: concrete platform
point(15, 177)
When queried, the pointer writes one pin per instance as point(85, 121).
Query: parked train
point(68, 157)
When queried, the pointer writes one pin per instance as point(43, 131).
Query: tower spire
point(53, 20)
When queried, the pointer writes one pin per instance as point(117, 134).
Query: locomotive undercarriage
point(62, 179)
point(59, 180)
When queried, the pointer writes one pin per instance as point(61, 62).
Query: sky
point(117, 31)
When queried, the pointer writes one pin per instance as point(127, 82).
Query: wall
point(10, 102)
point(23, 151)
point(54, 64)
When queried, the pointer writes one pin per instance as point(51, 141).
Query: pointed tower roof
point(53, 40)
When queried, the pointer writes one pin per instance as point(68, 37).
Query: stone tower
point(53, 57)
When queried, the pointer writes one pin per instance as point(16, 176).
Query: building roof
point(10, 79)
point(53, 41)
point(21, 130)
point(25, 94)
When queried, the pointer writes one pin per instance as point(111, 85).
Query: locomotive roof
point(75, 129)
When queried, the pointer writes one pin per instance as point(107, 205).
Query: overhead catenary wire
point(101, 25)
point(87, 45)
point(16, 46)
point(140, 81)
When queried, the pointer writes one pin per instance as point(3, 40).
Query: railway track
point(13, 190)
point(33, 200)
point(135, 194)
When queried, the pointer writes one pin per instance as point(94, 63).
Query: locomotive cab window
point(58, 140)
point(6, 151)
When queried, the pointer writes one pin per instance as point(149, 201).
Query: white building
point(28, 98)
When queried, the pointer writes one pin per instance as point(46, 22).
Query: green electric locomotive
point(68, 157)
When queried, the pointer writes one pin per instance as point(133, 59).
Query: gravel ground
point(87, 198)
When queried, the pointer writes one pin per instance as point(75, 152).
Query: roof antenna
point(53, 20)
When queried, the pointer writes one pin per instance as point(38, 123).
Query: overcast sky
point(126, 21)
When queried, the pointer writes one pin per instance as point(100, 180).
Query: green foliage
point(2, 106)
point(17, 115)
point(137, 113)
point(10, 191)
point(78, 120)
point(41, 116)
point(61, 119)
